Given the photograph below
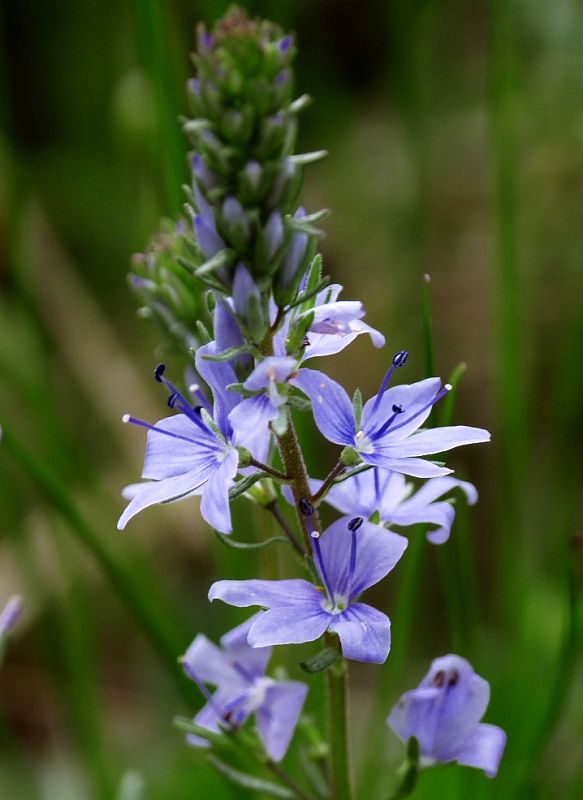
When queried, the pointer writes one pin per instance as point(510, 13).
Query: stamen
point(195, 389)
point(353, 526)
point(177, 399)
point(142, 424)
point(399, 360)
point(386, 425)
point(307, 510)
point(442, 392)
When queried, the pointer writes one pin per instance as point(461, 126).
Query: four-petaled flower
point(238, 672)
point(388, 494)
point(444, 714)
point(351, 555)
point(194, 452)
point(386, 435)
point(335, 324)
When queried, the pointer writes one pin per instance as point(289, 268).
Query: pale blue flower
point(242, 688)
point(444, 714)
point(351, 555)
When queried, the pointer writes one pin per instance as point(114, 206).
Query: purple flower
point(350, 556)
point(387, 436)
point(10, 614)
point(444, 714)
point(238, 672)
point(335, 324)
point(388, 494)
point(194, 452)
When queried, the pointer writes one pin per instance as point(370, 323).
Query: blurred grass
point(455, 133)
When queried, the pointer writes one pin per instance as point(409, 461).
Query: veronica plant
point(251, 308)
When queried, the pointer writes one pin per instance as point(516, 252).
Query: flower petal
point(278, 716)
point(440, 514)
point(365, 633)
point(215, 508)
point(292, 624)
point(254, 660)
point(268, 594)
point(367, 492)
point(377, 552)
point(250, 420)
point(436, 440)
point(165, 491)
point(331, 405)
point(272, 369)
point(483, 749)
point(168, 456)
point(416, 467)
point(416, 714)
point(410, 397)
point(209, 663)
point(218, 375)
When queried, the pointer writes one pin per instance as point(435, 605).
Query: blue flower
point(255, 413)
point(335, 324)
point(387, 436)
point(351, 555)
point(194, 452)
point(388, 494)
point(444, 714)
point(238, 672)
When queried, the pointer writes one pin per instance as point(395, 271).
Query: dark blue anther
point(397, 409)
point(355, 524)
point(400, 358)
point(172, 398)
point(159, 371)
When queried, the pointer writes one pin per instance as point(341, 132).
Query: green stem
point(337, 685)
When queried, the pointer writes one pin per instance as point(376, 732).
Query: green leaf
point(245, 483)
point(258, 785)
point(237, 545)
point(309, 158)
point(229, 353)
point(321, 661)
point(299, 104)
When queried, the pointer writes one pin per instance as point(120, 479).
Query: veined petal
point(168, 456)
point(278, 716)
point(214, 506)
point(435, 440)
point(268, 594)
point(165, 491)
point(294, 623)
point(209, 663)
point(377, 552)
point(367, 492)
point(331, 405)
point(483, 749)
point(416, 714)
point(410, 397)
point(208, 717)
point(250, 422)
point(364, 632)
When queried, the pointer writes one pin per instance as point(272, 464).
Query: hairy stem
point(275, 511)
point(336, 678)
point(295, 467)
point(281, 476)
point(329, 480)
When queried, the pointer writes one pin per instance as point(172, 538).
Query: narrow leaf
point(237, 545)
point(247, 781)
point(321, 661)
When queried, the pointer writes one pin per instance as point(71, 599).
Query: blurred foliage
point(455, 132)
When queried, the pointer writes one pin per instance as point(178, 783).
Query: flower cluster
point(269, 310)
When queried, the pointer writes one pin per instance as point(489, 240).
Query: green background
point(455, 139)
